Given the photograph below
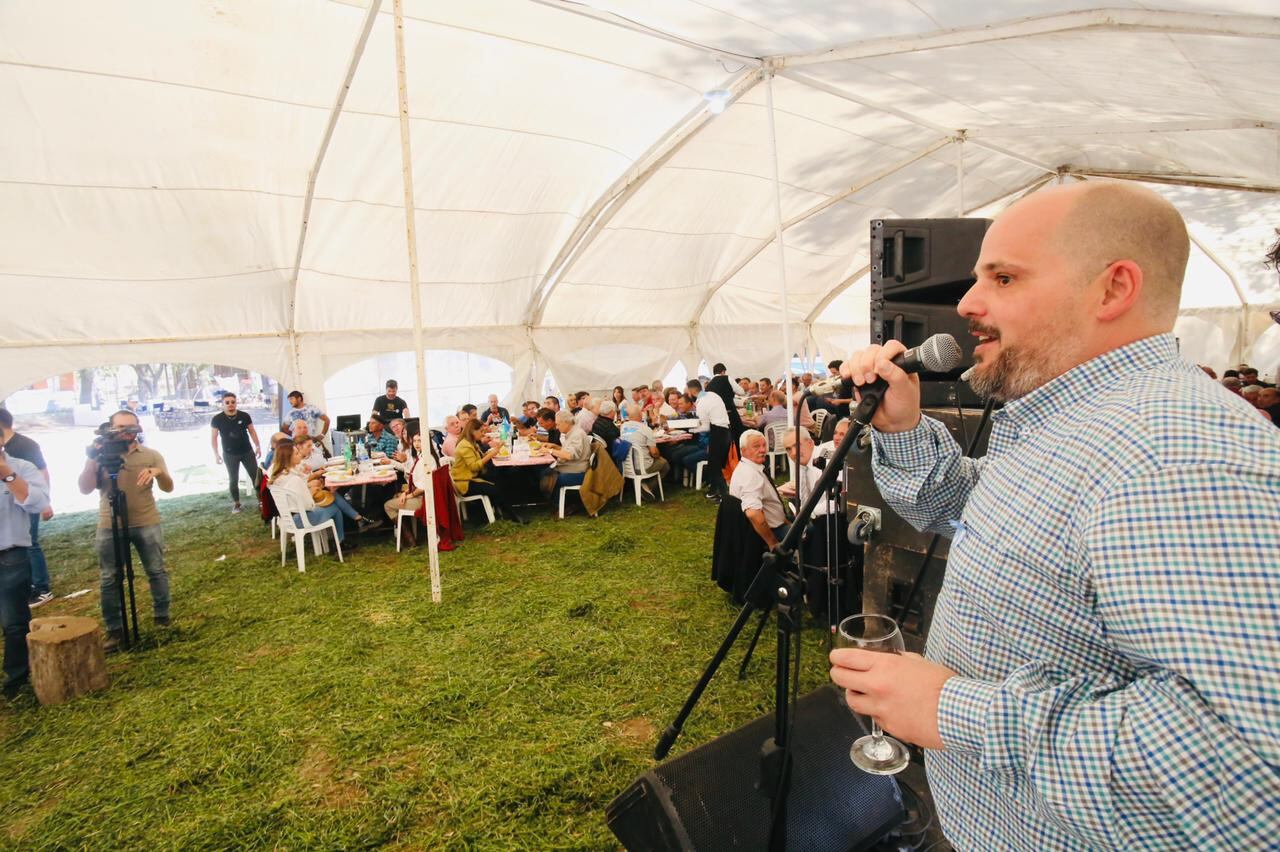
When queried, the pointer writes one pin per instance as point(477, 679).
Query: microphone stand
point(775, 587)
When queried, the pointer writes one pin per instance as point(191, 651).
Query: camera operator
point(23, 493)
point(140, 468)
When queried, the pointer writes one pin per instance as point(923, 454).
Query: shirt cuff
point(902, 449)
point(962, 713)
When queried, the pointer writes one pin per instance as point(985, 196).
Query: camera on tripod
point(109, 445)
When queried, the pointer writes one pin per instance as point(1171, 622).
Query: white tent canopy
point(192, 180)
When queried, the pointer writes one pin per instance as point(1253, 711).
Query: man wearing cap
point(390, 406)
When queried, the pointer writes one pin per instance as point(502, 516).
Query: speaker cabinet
point(707, 799)
point(893, 555)
point(920, 269)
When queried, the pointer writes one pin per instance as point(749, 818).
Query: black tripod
point(837, 572)
point(120, 547)
point(779, 585)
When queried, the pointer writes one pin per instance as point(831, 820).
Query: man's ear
point(1119, 288)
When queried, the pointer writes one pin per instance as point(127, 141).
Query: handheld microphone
point(939, 354)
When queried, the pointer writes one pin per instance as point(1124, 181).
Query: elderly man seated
point(379, 439)
point(809, 472)
point(604, 427)
point(636, 431)
point(573, 455)
point(750, 484)
point(452, 433)
point(585, 415)
point(777, 412)
point(828, 448)
point(494, 414)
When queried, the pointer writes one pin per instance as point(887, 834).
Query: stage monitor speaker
point(920, 269)
point(924, 260)
point(707, 799)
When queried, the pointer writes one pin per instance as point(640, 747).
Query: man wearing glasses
point(236, 430)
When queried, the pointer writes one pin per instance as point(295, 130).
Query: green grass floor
point(342, 709)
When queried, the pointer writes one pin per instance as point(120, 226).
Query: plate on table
point(337, 461)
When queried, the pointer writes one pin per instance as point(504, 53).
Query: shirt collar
point(747, 461)
point(1085, 379)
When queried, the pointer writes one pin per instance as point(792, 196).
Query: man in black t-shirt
point(236, 429)
point(389, 406)
point(22, 447)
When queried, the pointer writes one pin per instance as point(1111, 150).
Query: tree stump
point(67, 659)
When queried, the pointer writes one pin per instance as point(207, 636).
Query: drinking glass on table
point(875, 753)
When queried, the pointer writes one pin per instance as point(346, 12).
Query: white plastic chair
point(595, 439)
point(774, 434)
point(697, 484)
point(411, 514)
point(630, 467)
point(464, 499)
point(819, 417)
point(563, 489)
point(300, 530)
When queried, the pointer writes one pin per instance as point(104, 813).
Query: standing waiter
point(1102, 664)
point(23, 493)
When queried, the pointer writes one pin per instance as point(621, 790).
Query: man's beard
point(1018, 370)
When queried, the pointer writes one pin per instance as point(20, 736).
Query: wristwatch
point(10, 478)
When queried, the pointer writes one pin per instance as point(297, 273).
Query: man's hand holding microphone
point(900, 690)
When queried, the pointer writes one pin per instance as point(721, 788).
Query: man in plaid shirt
point(1103, 668)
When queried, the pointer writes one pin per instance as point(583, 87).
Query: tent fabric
point(167, 193)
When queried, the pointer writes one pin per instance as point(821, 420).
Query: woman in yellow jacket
point(468, 469)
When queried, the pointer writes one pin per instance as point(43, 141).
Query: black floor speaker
point(707, 799)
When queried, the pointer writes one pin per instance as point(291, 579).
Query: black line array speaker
point(920, 269)
point(706, 799)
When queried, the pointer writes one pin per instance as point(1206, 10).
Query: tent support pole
point(1237, 351)
point(415, 295)
point(782, 256)
point(357, 53)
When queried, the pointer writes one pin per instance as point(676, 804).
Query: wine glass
point(876, 753)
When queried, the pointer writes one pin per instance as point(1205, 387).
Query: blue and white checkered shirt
point(1112, 606)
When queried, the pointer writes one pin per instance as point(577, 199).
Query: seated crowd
point(678, 434)
point(1243, 381)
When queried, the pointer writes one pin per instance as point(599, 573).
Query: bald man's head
point(1110, 221)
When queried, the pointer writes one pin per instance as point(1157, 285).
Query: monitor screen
point(348, 423)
